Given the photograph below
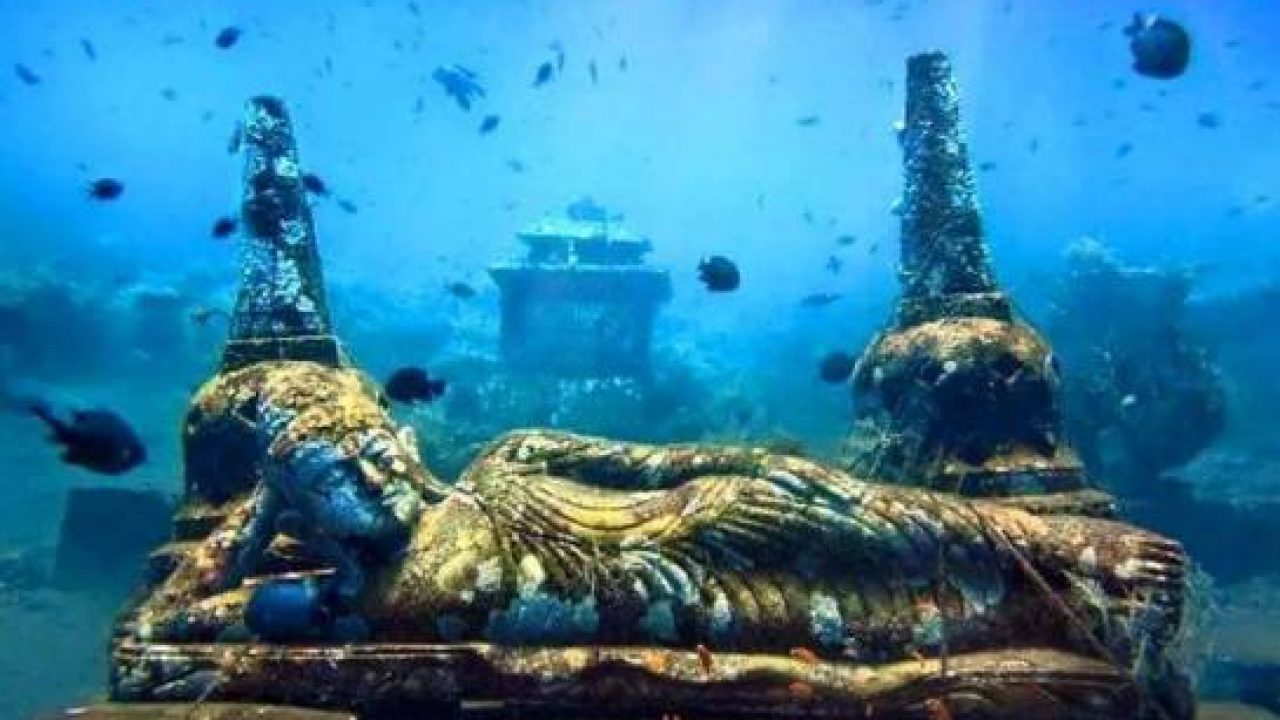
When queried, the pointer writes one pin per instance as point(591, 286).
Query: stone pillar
point(281, 312)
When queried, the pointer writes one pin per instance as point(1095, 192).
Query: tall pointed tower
point(281, 312)
point(957, 394)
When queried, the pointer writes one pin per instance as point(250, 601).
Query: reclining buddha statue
point(317, 562)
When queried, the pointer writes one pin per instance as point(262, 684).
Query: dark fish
point(348, 206)
point(314, 184)
point(719, 274)
point(1209, 120)
point(1124, 149)
point(227, 37)
point(1161, 48)
point(543, 75)
point(622, 63)
point(97, 440)
point(412, 384)
point(460, 84)
point(237, 135)
point(26, 74)
point(489, 124)
point(106, 189)
point(460, 290)
point(808, 121)
point(987, 166)
point(284, 610)
point(836, 367)
point(224, 226)
point(817, 300)
point(834, 264)
point(593, 71)
point(1033, 145)
point(515, 165)
point(169, 94)
point(846, 240)
point(559, 50)
point(89, 51)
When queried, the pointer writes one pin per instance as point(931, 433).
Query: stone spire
point(945, 270)
point(281, 312)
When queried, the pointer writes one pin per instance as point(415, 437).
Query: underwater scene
point(663, 359)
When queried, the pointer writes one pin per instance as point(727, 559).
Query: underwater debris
point(227, 37)
point(719, 274)
point(1161, 48)
point(106, 189)
point(97, 440)
point(489, 124)
point(412, 384)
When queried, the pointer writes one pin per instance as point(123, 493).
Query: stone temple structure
point(582, 302)
point(318, 565)
point(957, 394)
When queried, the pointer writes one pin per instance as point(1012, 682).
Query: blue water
point(691, 130)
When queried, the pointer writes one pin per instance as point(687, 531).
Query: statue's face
point(968, 389)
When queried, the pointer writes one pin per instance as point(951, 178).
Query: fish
point(836, 367)
point(1209, 120)
point(834, 264)
point(987, 166)
point(543, 74)
point(237, 136)
point(97, 440)
point(515, 165)
point(719, 274)
point(26, 74)
point(412, 384)
point(460, 290)
point(821, 299)
point(314, 184)
point(489, 124)
point(1161, 48)
point(88, 49)
point(593, 71)
point(459, 83)
point(201, 316)
point(227, 37)
point(622, 63)
point(348, 206)
point(808, 121)
point(106, 189)
point(224, 226)
point(1124, 149)
point(846, 240)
